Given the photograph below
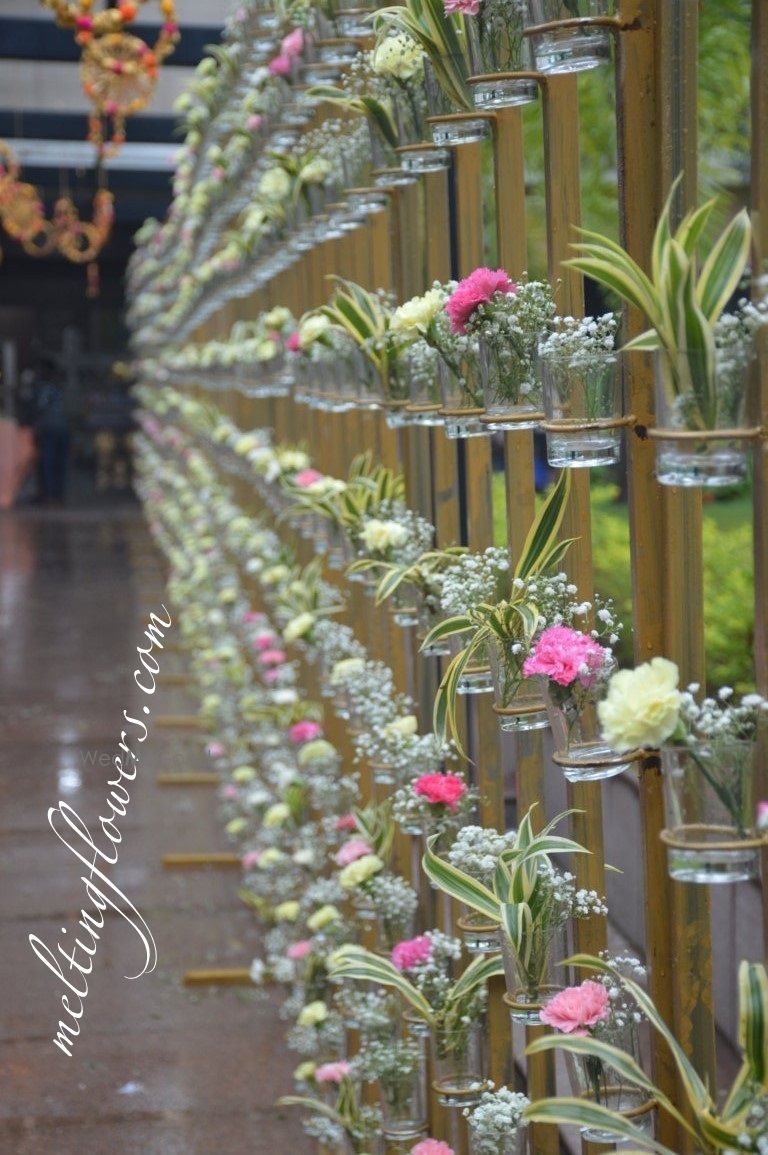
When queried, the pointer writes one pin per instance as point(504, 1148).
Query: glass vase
point(595, 1081)
point(518, 701)
point(428, 618)
point(450, 103)
point(712, 459)
point(403, 1104)
point(479, 935)
point(457, 1069)
point(511, 386)
point(476, 676)
point(575, 46)
point(710, 811)
point(424, 396)
point(582, 403)
point(531, 976)
point(461, 392)
point(391, 928)
point(512, 1143)
point(580, 750)
point(497, 47)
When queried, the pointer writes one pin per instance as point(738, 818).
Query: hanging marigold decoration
point(22, 215)
point(118, 70)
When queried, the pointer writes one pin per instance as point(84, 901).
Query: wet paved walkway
point(158, 1069)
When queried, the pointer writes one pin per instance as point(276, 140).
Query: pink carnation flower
point(250, 859)
point(305, 732)
point(478, 287)
point(292, 343)
point(253, 616)
point(215, 749)
point(293, 43)
point(270, 676)
point(445, 789)
point(576, 1009)
point(299, 950)
point(264, 641)
point(280, 65)
point(431, 1147)
point(466, 7)
point(272, 657)
point(411, 952)
point(351, 851)
point(229, 791)
point(565, 655)
point(307, 477)
point(332, 1072)
point(762, 816)
point(346, 822)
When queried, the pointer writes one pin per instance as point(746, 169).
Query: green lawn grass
point(728, 577)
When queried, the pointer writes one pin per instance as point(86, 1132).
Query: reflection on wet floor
point(157, 1069)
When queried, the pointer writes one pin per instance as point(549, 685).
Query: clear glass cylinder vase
point(476, 676)
point(479, 935)
point(582, 406)
point(403, 1104)
point(457, 1067)
point(424, 397)
point(531, 975)
point(518, 701)
point(580, 750)
point(711, 834)
point(514, 1142)
point(450, 103)
point(595, 1081)
point(461, 393)
point(702, 410)
point(568, 42)
point(497, 47)
point(392, 929)
point(511, 384)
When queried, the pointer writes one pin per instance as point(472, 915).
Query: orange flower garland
point(118, 70)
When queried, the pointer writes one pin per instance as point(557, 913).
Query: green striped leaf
point(354, 962)
point(581, 1113)
point(314, 1105)
point(613, 1057)
point(724, 266)
point(604, 271)
point(459, 885)
point(753, 1019)
point(542, 533)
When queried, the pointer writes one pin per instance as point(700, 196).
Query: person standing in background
point(52, 432)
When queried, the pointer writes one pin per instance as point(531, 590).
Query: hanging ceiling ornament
point(118, 70)
point(22, 215)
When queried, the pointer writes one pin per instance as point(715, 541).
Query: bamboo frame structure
point(432, 229)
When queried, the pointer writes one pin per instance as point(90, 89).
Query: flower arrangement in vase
point(433, 804)
point(442, 37)
point(581, 392)
point(701, 357)
point(475, 851)
point(707, 755)
point(496, 1125)
point(530, 901)
point(508, 320)
point(577, 669)
point(418, 972)
point(505, 628)
point(600, 1008)
point(738, 1125)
